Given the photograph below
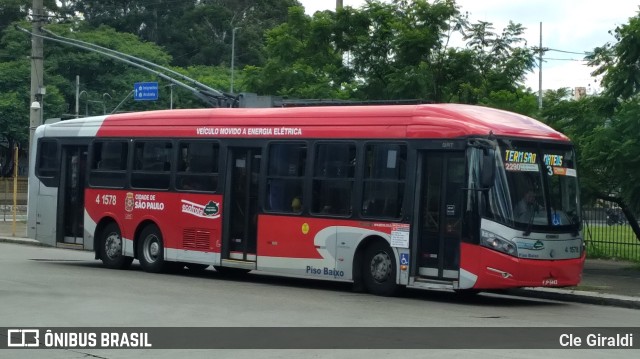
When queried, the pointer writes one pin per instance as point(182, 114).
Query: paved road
point(42, 286)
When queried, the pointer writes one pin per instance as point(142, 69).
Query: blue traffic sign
point(145, 91)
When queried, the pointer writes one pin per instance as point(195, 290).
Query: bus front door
point(241, 207)
point(70, 222)
point(440, 214)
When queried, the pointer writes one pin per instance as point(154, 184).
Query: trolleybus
point(440, 196)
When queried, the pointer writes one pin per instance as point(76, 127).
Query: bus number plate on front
point(572, 249)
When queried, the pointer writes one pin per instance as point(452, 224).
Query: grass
point(612, 242)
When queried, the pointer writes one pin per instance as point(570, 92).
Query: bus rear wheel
point(379, 270)
point(151, 250)
point(111, 248)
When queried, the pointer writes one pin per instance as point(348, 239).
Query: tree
point(501, 60)
point(615, 142)
point(15, 86)
point(394, 48)
point(619, 62)
point(397, 50)
point(302, 60)
point(13, 10)
point(194, 32)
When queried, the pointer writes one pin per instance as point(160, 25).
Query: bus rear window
point(48, 163)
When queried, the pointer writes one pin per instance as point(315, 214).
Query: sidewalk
point(604, 282)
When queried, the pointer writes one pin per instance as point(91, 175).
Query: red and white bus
point(423, 196)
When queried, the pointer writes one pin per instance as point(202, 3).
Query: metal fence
point(607, 234)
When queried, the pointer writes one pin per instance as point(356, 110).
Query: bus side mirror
point(488, 168)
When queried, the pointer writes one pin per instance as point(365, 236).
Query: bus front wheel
point(111, 248)
point(379, 271)
point(151, 250)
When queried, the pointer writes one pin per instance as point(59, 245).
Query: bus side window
point(384, 180)
point(109, 164)
point(285, 177)
point(111, 156)
point(333, 178)
point(151, 165)
point(198, 167)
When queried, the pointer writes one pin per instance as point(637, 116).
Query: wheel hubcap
point(113, 245)
point(151, 248)
point(380, 267)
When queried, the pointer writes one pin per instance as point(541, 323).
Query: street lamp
point(233, 54)
point(37, 107)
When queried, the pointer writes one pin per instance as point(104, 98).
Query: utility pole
point(233, 55)
point(77, 96)
point(338, 5)
point(37, 82)
point(540, 71)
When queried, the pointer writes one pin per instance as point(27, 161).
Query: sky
point(569, 25)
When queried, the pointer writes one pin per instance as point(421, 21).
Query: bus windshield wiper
point(573, 223)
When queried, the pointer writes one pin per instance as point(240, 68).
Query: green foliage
point(13, 124)
point(194, 32)
point(395, 50)
point(14, 102)
point(623, 150)
point(606, 126)
point(518, 101)
point(13, 10)
point(619, 62)
point(500, 60)
point(301, 59)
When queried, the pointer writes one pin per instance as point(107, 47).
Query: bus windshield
point(536, 187)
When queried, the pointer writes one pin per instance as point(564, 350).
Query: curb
point(579, 296)
point(23, 241)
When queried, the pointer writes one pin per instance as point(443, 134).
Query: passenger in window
point(296, 204)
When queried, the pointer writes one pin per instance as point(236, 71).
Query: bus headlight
point(494, 241)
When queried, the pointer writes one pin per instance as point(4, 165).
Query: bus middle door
point(241, 207)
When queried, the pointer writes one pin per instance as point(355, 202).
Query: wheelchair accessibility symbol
point(404, 259)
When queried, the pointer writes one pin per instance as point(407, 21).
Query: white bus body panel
point(42, 202)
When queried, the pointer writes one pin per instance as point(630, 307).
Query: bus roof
point(396, 121)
